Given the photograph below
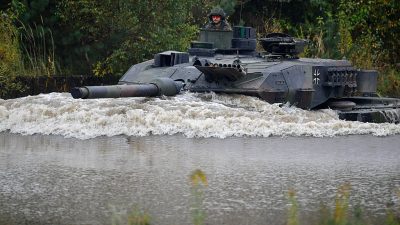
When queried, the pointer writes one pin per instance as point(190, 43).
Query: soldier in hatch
point(217, 20)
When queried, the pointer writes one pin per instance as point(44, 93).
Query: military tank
point(228, 62)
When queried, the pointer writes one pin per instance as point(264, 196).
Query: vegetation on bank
point(99, 37)
point(10, 57)
point(340, 214)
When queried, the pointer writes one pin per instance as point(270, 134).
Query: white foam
point(191, 114)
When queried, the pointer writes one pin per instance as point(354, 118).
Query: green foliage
point(10, 58)
point(39, 57)
point(9, 47)
point(110, 41)
point(106, 37)
point(379, 19)
point(363, 31)
point(85, 36)
point(228, 6)
point(23, 51)
point(346, 40)
point(369, 37)
point(389, 81)
point(35, 33)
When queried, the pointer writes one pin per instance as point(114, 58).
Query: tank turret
point(227, 61)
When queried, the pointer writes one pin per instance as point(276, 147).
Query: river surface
point(66, 161)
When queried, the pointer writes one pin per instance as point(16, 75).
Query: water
point(190, 114)
point(81, 162)
point(54, 180)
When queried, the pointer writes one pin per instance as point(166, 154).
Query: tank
point(229, 62)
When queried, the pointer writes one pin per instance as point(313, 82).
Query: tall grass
point(24, 51)
point(341, 214)
point(10, 57)
point(293, 210)
point(10, 54)
point(38, 47)
point(198, 180)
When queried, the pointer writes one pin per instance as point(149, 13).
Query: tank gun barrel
point(157, 87)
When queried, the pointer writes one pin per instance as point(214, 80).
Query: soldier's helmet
point(217, 11)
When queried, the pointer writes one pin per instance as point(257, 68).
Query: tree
point(109, 41)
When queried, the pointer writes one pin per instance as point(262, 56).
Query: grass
point(198, 180)
point(293, 210)
point(10, 57)
point(340, 214)
point(38, 47)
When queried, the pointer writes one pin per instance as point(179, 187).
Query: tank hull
point(307, 83)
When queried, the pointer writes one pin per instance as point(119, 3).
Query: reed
point(10, 58)
point(293, 210)
point(37, 44)
point(341, 214)
point(24, 51)
point(198, 180)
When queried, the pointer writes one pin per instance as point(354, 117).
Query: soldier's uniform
point(223, 25)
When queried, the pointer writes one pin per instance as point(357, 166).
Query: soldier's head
point(216, 19)
point(216, 15)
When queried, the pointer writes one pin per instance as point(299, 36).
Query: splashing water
point(190, 114)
